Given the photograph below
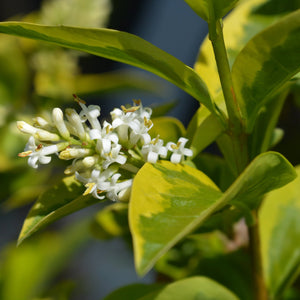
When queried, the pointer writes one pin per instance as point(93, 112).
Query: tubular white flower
point(114, 188)
point(58, 120)
point(113, 156)
point(178, 150)
point(97, 182)
point(41, 122)
point(105, 137)
point(153, 150)
point(76, 123)
point(90, 113)
point(39, 153)
point(44, 135)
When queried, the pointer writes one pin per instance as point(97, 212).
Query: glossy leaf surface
point(169, 201)
point(280, 236)
point(268, 61)
point(55, 203)
point(193, 288)
point(119, 46)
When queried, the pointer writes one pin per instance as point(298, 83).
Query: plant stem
point(260, 289)
point(217, 40)
point(235, 121)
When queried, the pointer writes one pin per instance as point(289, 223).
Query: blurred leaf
point(268, 61)
point(119, 46)
point(280, 237)
point(179, 198)
point(57, 202)
point(274, 7)
point(211, 10)
point(162, 109)
point(133, 291)
point(111, 221)
point(28, 269)
point(193, 288)
point(168, 129)
point(61, 291)
point(114, 81)
point(203, 129)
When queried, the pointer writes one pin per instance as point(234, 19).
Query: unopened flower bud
point(26, 128)
point(75, 121)
point(71, 153)
point(44, 135)
point(58, 119)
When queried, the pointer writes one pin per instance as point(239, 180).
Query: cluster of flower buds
point(104, 157)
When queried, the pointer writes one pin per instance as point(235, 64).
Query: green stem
point(217, 40)
point(260, 289)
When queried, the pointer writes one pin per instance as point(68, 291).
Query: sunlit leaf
point(280, 237)
point(119, 46)
point(61, 200)
point(169, 201)
point(133, 291)
point(193, 288)
point(268, 61)
point(168, 129)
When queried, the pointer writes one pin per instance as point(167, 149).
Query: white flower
point(39, 153)
point(141, 132)
point(116, 190)
point(113, 156)
point(90, 113)
point(26, 128)
point(58, 120)
point(105, 137)
point(97, 183)
point(178, 150)
point(153, 150)
point(122, 122)
point(70, 153)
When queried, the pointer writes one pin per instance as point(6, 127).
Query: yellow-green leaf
point(193, 288)
point(61, 200)
point(280, 236)
point(267, 62)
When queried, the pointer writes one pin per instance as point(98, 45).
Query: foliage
point(186, 213)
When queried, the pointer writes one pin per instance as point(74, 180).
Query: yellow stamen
point(78, 100)
point(175, 147)
point(25, 154)
point(154, 142)
point(148, 123)
point(89, 187)
point(130, 109)
point(137, 102)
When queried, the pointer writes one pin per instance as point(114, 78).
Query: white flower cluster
point(104, 157)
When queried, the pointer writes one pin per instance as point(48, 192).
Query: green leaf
point(203, 129)
point(166, 196)
point(168, 129)
point(280, 237)
point(239, 27)
point(211, 10)
point(57, 202)
point(179, 198)
point(133, 291)
point(268, 61)
point(119, 46)
point(193, 288)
